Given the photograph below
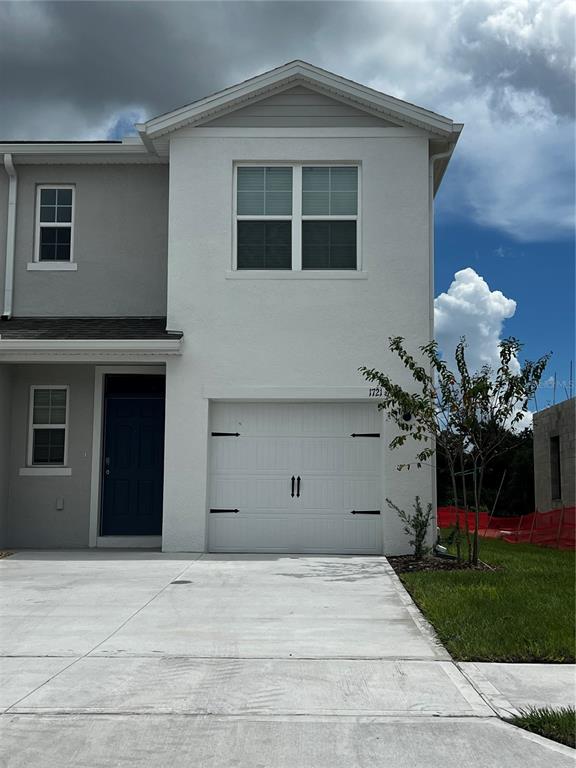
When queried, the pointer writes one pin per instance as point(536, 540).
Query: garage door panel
point(257, 491)
point(295, 533)
point(337, 455)
point(294, 455)
point(341, 494)
point(251, 454)
point(300, 419)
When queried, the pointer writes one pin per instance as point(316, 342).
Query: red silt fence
point(556, 528)
point(448, 517)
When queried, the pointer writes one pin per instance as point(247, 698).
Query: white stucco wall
point(291, 334)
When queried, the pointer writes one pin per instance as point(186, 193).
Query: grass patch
point(557, 724)
point(522, 612)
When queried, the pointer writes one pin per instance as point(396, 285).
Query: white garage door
point(295, 477)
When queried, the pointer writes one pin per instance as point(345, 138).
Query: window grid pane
point(329, 245)
point(330, 191)
point(55, 205)
point(264, 245)
point(264, 191)
point(49, 406)
point(55, 243)
point(48, 446)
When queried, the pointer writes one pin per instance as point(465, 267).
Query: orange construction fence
point(556, 528)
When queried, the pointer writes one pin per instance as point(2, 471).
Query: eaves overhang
point(130, 150)
point(88, 350)
point(287, 76)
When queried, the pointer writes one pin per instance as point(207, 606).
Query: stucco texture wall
point(120, 242)
point(292, 332)
point(33, 519)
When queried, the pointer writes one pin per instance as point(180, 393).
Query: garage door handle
point(222, 511)
point(292, 493)
point(365, 512)
point(298, 487)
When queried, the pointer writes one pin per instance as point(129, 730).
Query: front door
point(133, 460)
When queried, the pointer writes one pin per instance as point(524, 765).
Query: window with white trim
point(54, 222)
point(297, 217)
point(48, 435)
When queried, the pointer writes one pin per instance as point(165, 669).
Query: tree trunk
point(464, 495)
point(455, 494)
point(476, 516)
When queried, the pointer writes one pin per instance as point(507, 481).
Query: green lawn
point(523, 612)
point(557, 724)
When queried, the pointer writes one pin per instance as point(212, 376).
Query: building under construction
point(555, 456)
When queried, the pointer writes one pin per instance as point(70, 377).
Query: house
point(185, 312)
point(555, 456)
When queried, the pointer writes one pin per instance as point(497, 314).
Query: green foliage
point(520, 612)
point(465, 416)
point(557, 724)
point(415, 525)
point(508, 478)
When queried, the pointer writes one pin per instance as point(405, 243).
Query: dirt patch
point(5, 553)
point(408, 564)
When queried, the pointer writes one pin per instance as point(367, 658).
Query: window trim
point(38, 224)
point(297, 218)
point(31, 426)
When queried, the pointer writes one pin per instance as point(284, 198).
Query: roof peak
point(282, 77)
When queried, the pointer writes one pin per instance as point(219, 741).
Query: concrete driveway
point(116, 659)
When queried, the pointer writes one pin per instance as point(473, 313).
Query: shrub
point(415, 525)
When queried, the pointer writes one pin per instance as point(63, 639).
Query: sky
point(505, 211)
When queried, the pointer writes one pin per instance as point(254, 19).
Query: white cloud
point(470, 309)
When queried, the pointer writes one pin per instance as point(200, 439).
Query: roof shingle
point(86, 328)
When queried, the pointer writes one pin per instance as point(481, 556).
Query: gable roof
point(287, 76)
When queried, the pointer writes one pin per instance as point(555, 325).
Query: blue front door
point(133, 466)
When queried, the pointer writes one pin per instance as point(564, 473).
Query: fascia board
point(85, 153)
point(160, 347)
point(65, 148)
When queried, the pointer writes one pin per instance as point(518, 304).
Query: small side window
point(48, 435)
point(54, 223)
point(555, 469)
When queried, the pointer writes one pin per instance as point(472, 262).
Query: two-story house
point(184, 313)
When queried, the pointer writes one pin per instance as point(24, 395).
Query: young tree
point(462, 414)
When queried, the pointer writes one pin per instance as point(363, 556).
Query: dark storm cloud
point(100, 57)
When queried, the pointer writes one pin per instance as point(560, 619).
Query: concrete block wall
point(558, 420)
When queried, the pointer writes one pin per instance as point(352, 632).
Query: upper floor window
point(297, 217)
point(54, 223)
point(48, 426)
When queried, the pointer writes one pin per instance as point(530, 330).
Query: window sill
point(45, 471)
point(305, 274)
point(52, 266)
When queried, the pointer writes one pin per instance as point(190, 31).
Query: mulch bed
point(408, 564)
